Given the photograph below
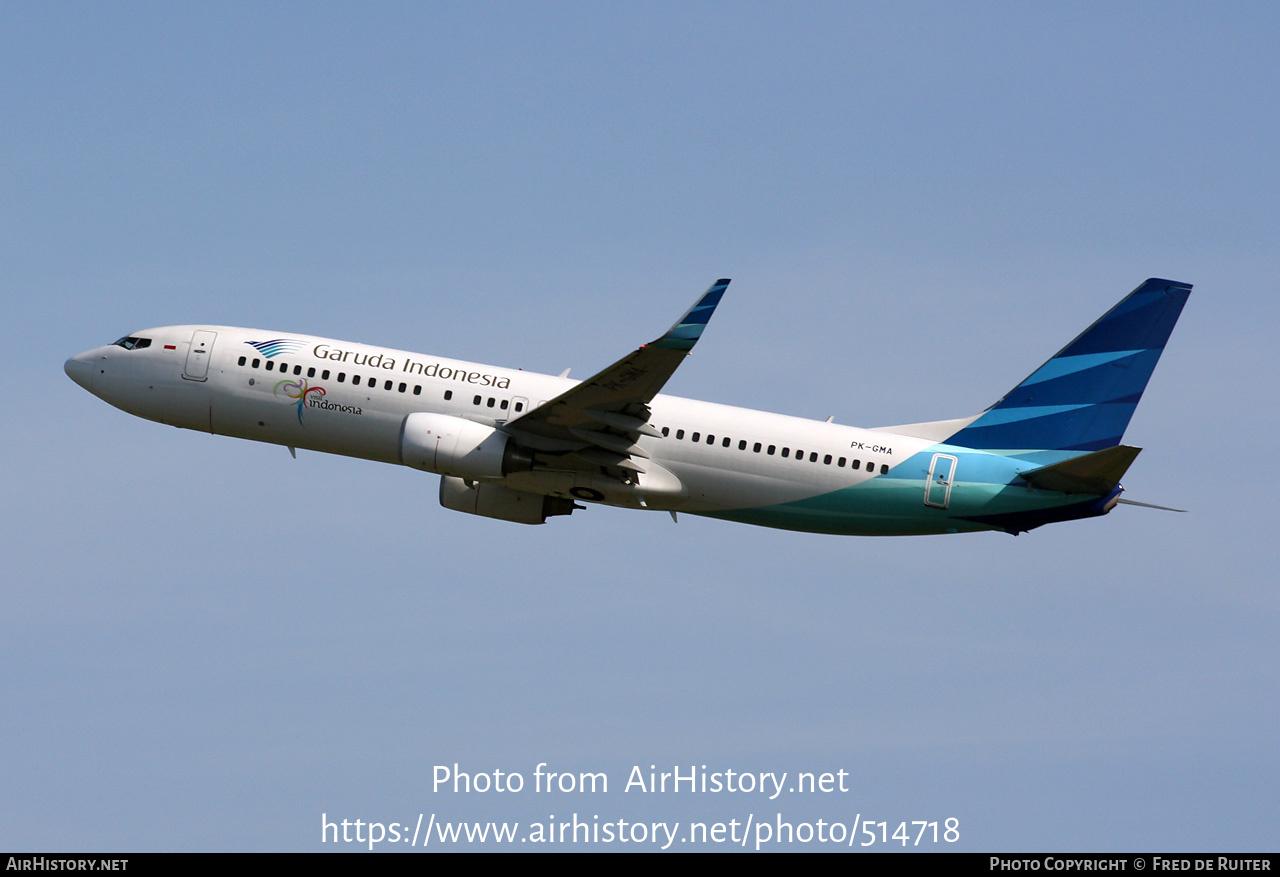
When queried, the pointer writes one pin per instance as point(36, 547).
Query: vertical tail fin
point(1082, 398)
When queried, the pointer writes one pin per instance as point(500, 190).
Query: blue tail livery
point(1082, 398)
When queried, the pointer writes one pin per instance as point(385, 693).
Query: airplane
point(525, 447)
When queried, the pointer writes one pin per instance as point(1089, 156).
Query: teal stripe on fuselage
point(893, 504)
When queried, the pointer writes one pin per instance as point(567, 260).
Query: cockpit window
point(131, 342)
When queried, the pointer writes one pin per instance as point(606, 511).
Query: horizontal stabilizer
point(1097, 473)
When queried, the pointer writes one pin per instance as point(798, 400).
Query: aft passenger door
point(937, 490)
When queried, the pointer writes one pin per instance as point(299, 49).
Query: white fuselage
point(345, 398)
point(521, 447)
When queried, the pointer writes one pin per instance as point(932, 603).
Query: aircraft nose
point(80, 370)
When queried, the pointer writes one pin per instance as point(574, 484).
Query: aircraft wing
point(601, 418)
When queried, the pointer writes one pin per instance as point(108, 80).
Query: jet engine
point(503, 503)
point(454, 446)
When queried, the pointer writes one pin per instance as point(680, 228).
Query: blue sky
point(208, 644)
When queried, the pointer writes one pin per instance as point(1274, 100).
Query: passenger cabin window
point(679, 433)
point(324, 375)
point(270, 365)
point(696, 437)
point(311, 372)
point(256, 362)
point(520, 407)
point(475, 401)
point(241, 361)
point(666, 430)
point(448, 394)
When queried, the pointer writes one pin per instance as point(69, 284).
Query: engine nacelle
point(454, 446)
point(503, 503)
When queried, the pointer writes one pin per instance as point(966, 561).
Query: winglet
point(688, 329)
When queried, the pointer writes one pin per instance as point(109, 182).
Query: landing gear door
point(197, 367)
point(937, 490)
